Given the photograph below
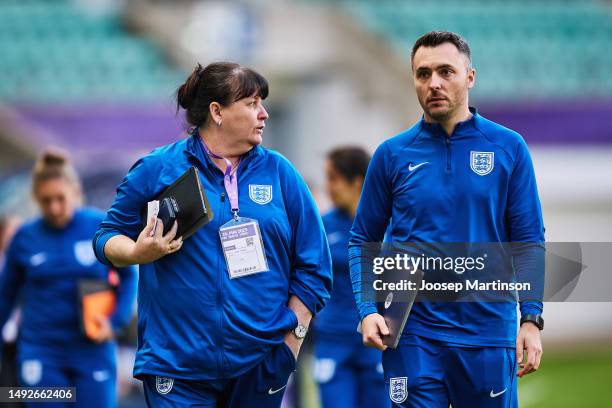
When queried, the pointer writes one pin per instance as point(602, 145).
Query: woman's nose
point(263, 113)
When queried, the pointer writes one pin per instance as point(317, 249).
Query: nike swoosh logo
point(334, 237)
point(411, 167)
point(271, 391)
point(493, 395)
point(38, 259)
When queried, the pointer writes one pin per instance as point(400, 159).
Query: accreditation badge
point(243, 247)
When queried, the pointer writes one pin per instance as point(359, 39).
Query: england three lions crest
point(482, 162)
point(163, 384)
point(398, 389)
point(260, 193)
point(83, 252)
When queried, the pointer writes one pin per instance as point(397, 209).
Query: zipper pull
point(222, 197)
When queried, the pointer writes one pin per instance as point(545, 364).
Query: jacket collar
point(464, 128)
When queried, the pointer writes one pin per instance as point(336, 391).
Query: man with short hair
point(452, 177)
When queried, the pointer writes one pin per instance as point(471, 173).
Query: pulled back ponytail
point(51, 164)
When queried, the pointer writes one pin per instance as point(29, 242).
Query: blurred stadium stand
point(75, 77)
point(54, 51)
point(521, 48)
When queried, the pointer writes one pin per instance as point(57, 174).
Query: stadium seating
point(521, 49)
point(52, 51)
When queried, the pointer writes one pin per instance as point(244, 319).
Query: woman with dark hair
point(47, 260)
point(210, 333)
point(348, 373)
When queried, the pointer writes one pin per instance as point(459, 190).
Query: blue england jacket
point(339, 319)
point(43, 267)
point(193, 321)
point(476, 186)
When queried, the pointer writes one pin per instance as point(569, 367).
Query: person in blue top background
point(45, 261)
point(348, 373)
point(207, 334)
point(454, 177)
point(9, 224)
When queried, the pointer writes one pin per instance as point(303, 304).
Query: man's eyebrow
point(442, 66)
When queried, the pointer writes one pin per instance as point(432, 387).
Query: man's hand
point(373, 328)
point(152, 245)
point(106, 330)
point(528, 340)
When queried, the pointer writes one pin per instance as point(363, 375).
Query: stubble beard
point(440, 115)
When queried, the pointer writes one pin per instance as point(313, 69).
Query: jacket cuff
point(310, 300)
point(366, 308)
point(531, 308)
point(98, 246)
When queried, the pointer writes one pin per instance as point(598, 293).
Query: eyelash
point(444, 72)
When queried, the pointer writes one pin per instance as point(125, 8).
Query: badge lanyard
point(230, 181)
point(241, 238)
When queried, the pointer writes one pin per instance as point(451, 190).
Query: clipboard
point(190, 206)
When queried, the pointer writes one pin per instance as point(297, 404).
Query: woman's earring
point(219, 123)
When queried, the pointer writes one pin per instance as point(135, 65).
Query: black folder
point(190, 204)
point(396, 309)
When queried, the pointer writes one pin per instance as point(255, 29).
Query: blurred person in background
point(45, 262)
point(348, 373)
point(8, 226)
point(454, 177)
point(8, 353)
point(209, 334)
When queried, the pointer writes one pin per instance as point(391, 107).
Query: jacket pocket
point(290, 320)
point(274, 370)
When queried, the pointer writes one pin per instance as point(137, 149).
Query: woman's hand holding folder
point(150, 245)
